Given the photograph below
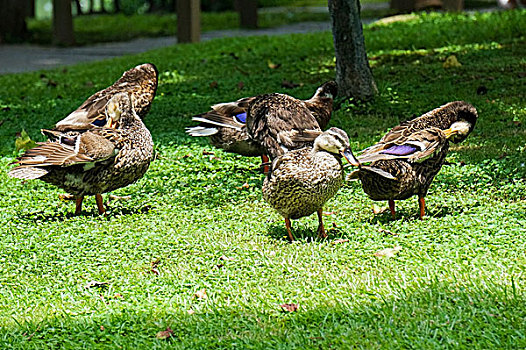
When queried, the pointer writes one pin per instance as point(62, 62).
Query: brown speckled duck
point(413, 153)
point(302, 180)
point(139, 82)
point(261, 125)
point(95, 161)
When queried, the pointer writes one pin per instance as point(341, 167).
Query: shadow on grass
point(464, 314)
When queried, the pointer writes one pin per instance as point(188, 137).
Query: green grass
point(458, 281)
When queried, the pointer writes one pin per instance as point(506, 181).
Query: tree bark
point(353, 74)
point(188, 21)
point(116, 6)
point(79, 8)
point(248, 13)
point(62, 23)
point(13, 15)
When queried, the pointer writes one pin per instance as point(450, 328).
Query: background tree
point(13, 15)
point(62, 23)
point(353, 74)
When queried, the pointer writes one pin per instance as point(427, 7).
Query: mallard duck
point(269, 118)
point(139, 82)
point(413, 153)
point(301, 181)
point(95, 161)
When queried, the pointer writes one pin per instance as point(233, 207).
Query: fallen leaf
point(226, 258)
point(273, 65)
point(190, 312)
point(516, 123)
point(387, 232)
point(117, 296)
point(329, 213)
point(165, 334)
point(289, 307)
point(379, 210)
point(153, 267)
point(23, 141)
point(96, 284)
point(208, 153)
point(288, 84)
point(187, 155)
point(89, 84)
point(388, 252)
point(201, 294)
point(243, 186)
point(213, 84)
point(240, 85)
point(340, 240)
point(101, 328)
point(451, 62)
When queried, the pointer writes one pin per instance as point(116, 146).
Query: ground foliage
point(196, 259)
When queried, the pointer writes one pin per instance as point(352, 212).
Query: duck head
point(336, 141)
point(327, 90)
point(466, 119)
point(119, 111)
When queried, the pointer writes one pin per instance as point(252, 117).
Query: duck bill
point(347, 154)
point(450, 132)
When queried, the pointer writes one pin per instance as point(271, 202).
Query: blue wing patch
point(241, 118)
point(99, 122)
point(401, 150)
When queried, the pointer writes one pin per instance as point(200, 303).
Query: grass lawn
point(192, 228)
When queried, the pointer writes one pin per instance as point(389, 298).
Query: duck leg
point(265, 161)
point(321, 229)
point(422, 206)
point(78, 205)
point(392, 208)
point(289, 228)
point(100, 204)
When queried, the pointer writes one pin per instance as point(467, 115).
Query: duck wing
point(274, 120)
point(415, 147)
point(140, 82)
point(66, 150)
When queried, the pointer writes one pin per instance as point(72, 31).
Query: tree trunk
point(13, 15)
point(248, 13)
point(62, 23)
point(91, 6)
point(32, 9)
point(116, 6)
point(79, 8)
point(188, 21)
point(353, 74)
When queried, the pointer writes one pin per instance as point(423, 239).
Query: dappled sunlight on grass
point(191, 224)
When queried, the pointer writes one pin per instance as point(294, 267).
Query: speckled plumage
point(414, 152)
point(276, 113)
point(302, 180)
point(93, 161)
point(139, 82)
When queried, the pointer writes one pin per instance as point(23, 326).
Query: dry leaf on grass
point(273, 65)
point(190, 312)
point(451, 62)
point(96, 284)
point(226, 258)
point(287, 84)
point(208, 153)
point(379, 210)
point(289, 307)
point(153, 267)
point(387, 232)
point(201, 294)
point(165, 334)
point(339, 241)
point(243, 186)
point(388, 252)
point(213, 84)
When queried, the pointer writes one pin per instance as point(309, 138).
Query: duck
point(259, 126)
point(139, 82)
point(413, 153)
point(94, 161)
point(301, 181)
